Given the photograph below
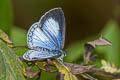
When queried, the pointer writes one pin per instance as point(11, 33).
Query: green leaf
point(5, 16)
point(18, 36)
point(49, 76)
point(11, 67)
point(74, 51)
point(111, 33)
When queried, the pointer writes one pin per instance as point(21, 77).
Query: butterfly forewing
point(49, 32)
point(36, 38)
point(53, 24)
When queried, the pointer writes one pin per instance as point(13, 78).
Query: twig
point(38, 77)
point(87, 76)
point(60, 76)
point(78, 69)
point(20, 47)
point(104, 74)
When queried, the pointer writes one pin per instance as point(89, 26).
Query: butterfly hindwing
point(33, 55)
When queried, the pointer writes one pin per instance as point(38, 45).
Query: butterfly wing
point(49, 32)
point(33, 55)
point(53, 25)
point(36, 38)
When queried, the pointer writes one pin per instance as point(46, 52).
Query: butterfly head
point(63, 53)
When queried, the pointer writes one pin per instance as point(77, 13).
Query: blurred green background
point(85, 20)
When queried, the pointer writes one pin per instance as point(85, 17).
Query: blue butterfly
point(46, 38)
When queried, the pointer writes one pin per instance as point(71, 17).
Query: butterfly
point(46, 37)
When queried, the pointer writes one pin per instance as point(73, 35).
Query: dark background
point(83, 17)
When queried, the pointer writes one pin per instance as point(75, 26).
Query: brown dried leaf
point(89, 47)
point(99, 42)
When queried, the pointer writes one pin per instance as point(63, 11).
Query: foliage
point(112, 33)
point(11, 68)
point(109, 68)
point(5, 16)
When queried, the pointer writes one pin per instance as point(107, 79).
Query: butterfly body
point(46, 37)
